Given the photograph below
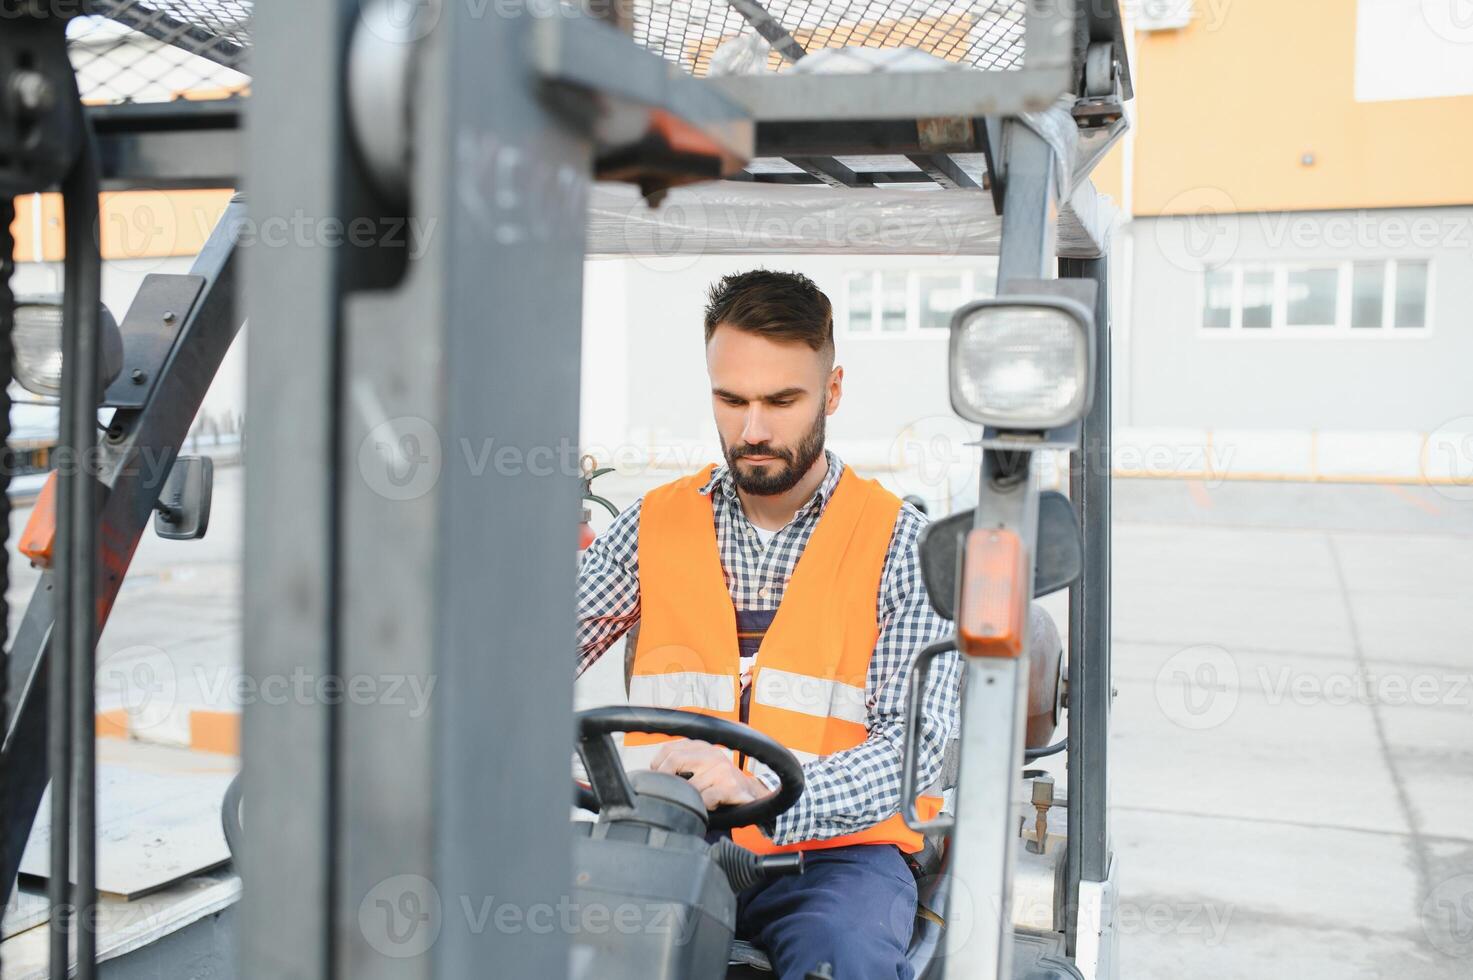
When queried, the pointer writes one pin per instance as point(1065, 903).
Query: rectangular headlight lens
point(36, 340)
point(36, 345)
point(1021, 363)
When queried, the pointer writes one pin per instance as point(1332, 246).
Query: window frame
point(1344, 299)
point(970, 276)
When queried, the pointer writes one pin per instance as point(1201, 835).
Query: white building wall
point(1177, 374)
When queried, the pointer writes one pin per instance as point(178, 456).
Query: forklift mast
point(472, 140)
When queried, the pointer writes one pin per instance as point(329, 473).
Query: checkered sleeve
point(608, 587)
point(854, 789)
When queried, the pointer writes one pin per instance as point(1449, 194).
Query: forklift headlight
point(1022, 362)
point(36, 341)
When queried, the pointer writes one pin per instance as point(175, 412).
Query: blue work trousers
point(852, 907)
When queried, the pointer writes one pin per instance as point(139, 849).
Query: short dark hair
point(777, 305)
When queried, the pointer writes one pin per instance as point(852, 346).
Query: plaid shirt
point(847, 791)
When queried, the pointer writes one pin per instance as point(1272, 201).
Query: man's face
point(770, 399)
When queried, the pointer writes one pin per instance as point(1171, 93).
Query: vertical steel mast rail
point(1090, 686)
point(984, 837)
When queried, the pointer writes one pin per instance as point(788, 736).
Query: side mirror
point(183, 508)
point(1058, 562)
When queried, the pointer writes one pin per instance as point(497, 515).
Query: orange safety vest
point(808, 680)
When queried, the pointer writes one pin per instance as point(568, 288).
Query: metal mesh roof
point(157, 50)
point(153, 50)
point(983, 34)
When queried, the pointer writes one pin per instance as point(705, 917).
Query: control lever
point(746, 868)
point(1043, 798)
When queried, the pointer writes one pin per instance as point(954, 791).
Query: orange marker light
point(994, 599)
point(39, 536)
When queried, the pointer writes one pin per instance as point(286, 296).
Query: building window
point(1310, 299)
point(916, 303)
point(1217, 303)
point(860, 299)
point(1411, 293)
point(1258, 298)
point(1311, 294)
point(1368, 295)
point(894, 302)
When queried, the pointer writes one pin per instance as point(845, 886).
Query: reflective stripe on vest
point(809, 681)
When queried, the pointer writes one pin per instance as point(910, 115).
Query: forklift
point(526, 137)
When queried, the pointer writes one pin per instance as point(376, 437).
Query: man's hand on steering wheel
point(711, 771)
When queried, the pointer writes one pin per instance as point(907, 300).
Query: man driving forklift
point(783, 591)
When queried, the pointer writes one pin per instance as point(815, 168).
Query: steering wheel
point(611, 787)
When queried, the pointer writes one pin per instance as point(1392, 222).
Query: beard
point(789, 467)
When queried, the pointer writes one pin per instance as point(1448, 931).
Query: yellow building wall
point(1227, 107)
point(131, 224)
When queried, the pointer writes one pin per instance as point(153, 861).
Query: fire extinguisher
point(590, 470)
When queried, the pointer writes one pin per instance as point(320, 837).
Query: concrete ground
point(1292, 764)
point(1293, 736)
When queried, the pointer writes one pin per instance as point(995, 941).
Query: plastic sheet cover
point(730, 217)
